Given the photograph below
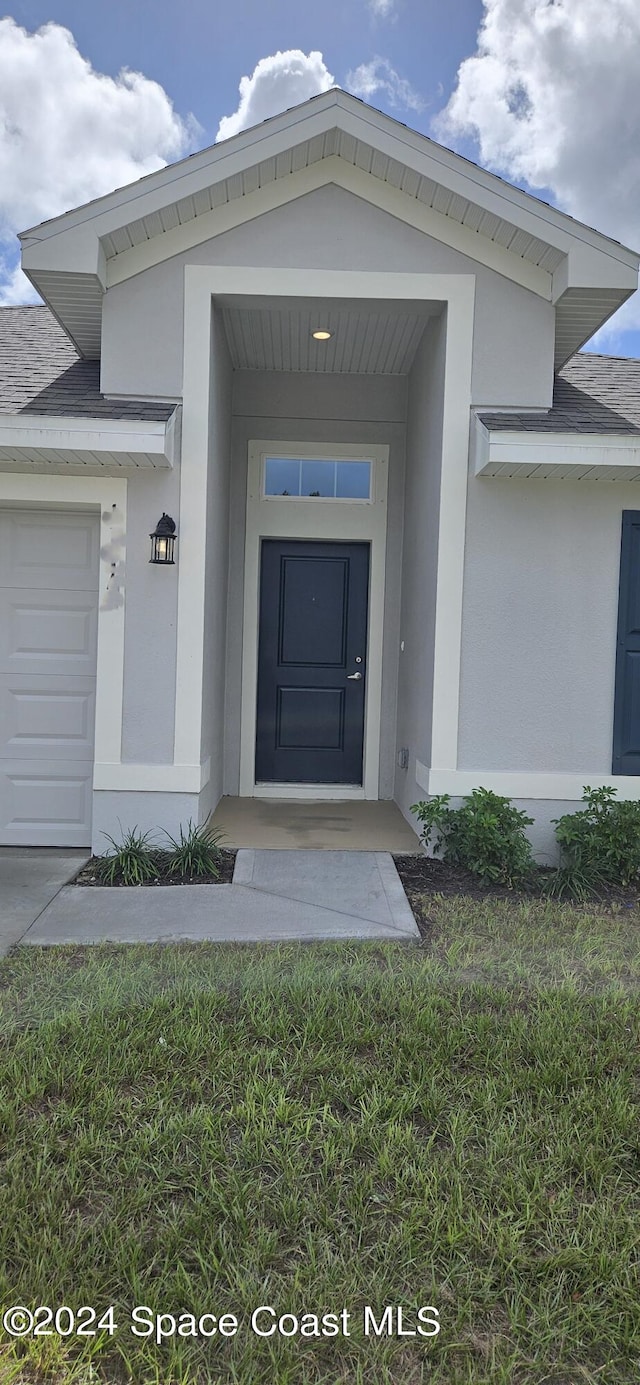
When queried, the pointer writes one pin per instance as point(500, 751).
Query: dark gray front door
point(312, 662)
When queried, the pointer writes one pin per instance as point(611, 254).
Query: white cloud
point(69, 133)
point(551, 95)
point(276, 83)
point(383, 9)
point(15, 288)
point(369, 79)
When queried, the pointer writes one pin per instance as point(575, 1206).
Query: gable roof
point(333, 137)
point(42, 374)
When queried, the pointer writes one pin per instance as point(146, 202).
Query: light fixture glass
point(163, 541)
point(321, 334)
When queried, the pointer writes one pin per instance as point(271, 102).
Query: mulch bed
point(226, 863)
point(422, 876)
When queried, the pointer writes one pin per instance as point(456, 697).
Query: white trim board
point(268, 517)
point(99, 442)
point(503, 453)
point(109, 495)
point(313, 793)
point(281, 140)
point(524, 784)
point(125, 777)
point(202, 283)
point(66, 258)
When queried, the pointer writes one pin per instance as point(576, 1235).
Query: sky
point(96, 93)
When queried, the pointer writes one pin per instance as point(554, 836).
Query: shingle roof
point(41, 373)
point(592, 394)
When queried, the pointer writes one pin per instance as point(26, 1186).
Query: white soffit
point(182, 205)
point(359, 154)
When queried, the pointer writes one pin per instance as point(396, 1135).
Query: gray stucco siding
point(158, 813)
point(151, 597)
point(420, 559)
point(217, 558)
point(539, 624)
point(329, 229)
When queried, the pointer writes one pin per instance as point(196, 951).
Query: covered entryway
point(312, 662)
point(48, 638)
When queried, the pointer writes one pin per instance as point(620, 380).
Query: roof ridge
point(599, 356)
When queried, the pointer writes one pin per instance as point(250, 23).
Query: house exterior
point(406, 553)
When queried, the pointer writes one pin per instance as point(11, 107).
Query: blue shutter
point(626, 717)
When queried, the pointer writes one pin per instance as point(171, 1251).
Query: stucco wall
point(539, 624)
point(328, 229)
point(151, 594)
point(116, 813)
point(325, 409)
point(420, 558)
point(213, 692)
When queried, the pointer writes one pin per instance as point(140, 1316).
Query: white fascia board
point(78, 251)
point(119, 439)
point(188, 176)
point(489, 191)
point(478, 446)
point(279, 135)
point(587, 267)
point(568, 451)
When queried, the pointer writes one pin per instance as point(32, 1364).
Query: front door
point(312, 662)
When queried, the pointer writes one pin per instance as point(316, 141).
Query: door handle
point(353, 676)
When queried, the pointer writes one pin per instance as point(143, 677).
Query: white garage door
point(48, 630)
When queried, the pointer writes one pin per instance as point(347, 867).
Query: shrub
point(485, 835)
point(599, 845)
point(195, 852)
point(131, 862)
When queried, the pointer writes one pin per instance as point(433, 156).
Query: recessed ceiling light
point(321, 335)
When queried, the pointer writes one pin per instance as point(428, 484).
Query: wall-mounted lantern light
point(163, 540)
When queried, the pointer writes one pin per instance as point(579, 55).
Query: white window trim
point(318, 519)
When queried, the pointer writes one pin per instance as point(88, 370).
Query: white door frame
point(343, 521)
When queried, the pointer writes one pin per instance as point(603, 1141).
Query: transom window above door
point(306, 478)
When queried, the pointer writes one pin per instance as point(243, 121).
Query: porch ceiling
point(376, 340)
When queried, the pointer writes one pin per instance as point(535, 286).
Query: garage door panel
point(48, 631)
point(46, 717)
point(48, 802)
point(39, 550)
point(49, 564)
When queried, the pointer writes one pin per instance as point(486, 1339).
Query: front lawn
point(317, 1128)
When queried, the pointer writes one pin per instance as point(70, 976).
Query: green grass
point(317, 1127)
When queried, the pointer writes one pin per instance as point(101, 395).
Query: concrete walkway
point(30, 877)
point(275, 896)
